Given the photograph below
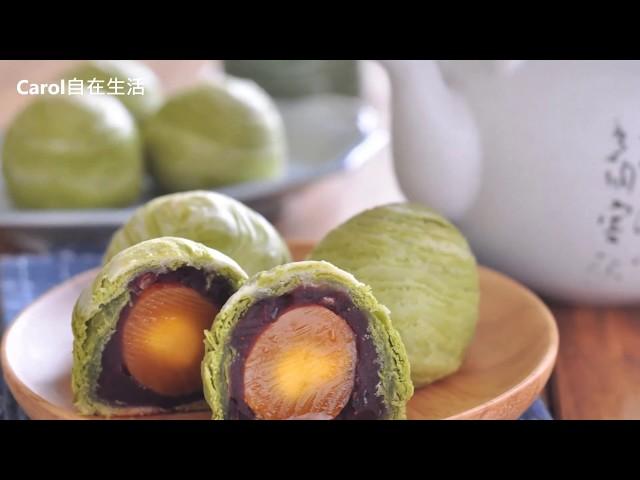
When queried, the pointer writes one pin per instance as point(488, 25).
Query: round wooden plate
point(506, 366)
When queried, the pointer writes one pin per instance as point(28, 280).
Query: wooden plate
point(506, 366)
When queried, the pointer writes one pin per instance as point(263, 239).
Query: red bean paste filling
point(115, 384)
point(363, 404)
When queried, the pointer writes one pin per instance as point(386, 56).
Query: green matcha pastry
point(120, 79)
point(73, 152)
point(138, 328)
point(420, 266)
point(215, 134)
point(214, 219)
point(305, 340)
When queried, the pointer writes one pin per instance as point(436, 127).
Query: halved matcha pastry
point(305, 340)
point(138, 328)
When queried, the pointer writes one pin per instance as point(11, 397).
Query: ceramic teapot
point(538, 163)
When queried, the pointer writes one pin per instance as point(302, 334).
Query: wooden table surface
point(597, 375)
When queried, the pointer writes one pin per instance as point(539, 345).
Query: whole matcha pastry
point(138, 328)
point(305, 340)
point(215, 134)
point(121, 79)
point(420, 266)
point(214, 219)
point(73, 152)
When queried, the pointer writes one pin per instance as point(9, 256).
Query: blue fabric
point(23, 278)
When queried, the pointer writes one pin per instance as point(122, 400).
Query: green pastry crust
point(215, 134)
point(421, 267)
point(395, 385)
point(73, 152)
point(210, 218)
point(98, 308)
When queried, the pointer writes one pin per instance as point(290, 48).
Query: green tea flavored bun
point(421, 268)
point(210, 218)
point(215, 134)
point(73, 152)
point(124, 74)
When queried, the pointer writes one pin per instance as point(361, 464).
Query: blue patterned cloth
point(23, 278)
